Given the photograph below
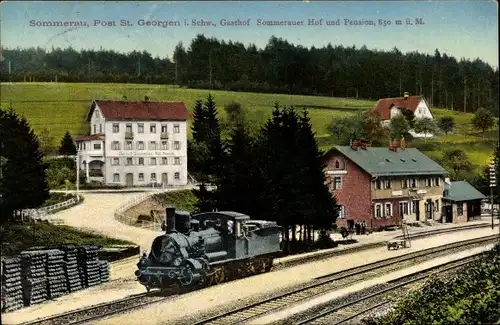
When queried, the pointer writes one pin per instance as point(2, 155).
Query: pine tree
point(67, 147)
point(319, 207)
point(239, 182)
point(22, 182)
point(213, 137)
point(199, 125)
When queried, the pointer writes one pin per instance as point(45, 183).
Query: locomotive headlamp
point(177, 261)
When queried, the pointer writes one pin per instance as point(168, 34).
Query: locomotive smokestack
point(170, 219)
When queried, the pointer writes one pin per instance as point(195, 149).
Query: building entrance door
point(164, 179)
point(129, 179)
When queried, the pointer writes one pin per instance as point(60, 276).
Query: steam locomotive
point(208, 248)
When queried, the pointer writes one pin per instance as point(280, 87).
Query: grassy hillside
point(63, 106)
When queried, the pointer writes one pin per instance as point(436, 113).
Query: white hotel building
point(141, 143)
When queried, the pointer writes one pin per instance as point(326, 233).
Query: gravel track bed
point(86, 315)
point(341, 280)
point(337, 317)
point(79, 316)
point(418, 235)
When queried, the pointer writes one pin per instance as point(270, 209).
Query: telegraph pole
point(493, 184)
point(77, 158)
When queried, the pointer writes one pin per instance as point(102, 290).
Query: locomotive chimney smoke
point(170, 219)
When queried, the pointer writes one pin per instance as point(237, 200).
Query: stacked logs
point(12, 287)
point(35, 276)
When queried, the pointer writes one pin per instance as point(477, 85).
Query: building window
point(97, 146)
point(141, 177)
point(141, 161)
point(152, 145)
point(100, 128)
point(128, 145)
point(177, 161)
point(116, 177)
point(95, 128)
point(129, 161)
point(115, 161)
point(164, 160)
point(140, 127)
point(378, 210)
point(428, 182)
point(140, 145)
point(153, 177)
point(84, 146)
point(435, 181)
point(404, 183)
point(378, 184)
point(152, 128)
point(341, 212)
point(128, 127)
point(404, 208)
point(96, 114)
point(336, 183)
point(177, 176)
point(460, 208)
point(176, 128)
point(116, 127)
point(115, 145)
point(152, 161)
point(436, 205)
point(164, 145)
point(413, 183)
point(388, 210)
point(414, 206)
point(177, 145)
point(163, 128)
point(387, 183)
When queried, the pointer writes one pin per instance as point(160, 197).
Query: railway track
point(336, 281)
point(107, 309)
point(328, 254)
point(348, 312)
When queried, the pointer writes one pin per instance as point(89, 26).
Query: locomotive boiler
point(208, 248)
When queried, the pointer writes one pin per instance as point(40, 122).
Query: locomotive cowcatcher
point(208, 248)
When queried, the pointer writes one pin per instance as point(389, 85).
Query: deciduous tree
point(483, 120)
point(46, 140)
point(446, 124)
point(426, 126)
point(399, 127)
point(364, 125)
point(457, 162)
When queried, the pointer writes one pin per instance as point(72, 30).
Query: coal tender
point(208, 248)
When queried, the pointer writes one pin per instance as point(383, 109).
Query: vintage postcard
point(257, 162)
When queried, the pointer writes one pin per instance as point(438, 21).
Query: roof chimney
point(403, 143)
point(355, 145)
point(406, 95)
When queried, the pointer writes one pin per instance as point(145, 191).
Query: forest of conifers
point(280, 67)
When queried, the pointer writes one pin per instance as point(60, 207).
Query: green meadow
point(63, 106)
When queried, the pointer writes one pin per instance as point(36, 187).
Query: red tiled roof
point(90, 137)
point(140, 110)
point(384, 105)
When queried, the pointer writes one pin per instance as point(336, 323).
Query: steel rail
point(111, 308)
point(331, 282)
point(420, 275)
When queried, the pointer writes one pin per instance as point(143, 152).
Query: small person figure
point(357, 226)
